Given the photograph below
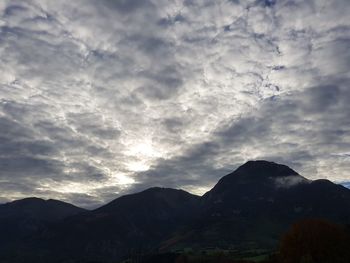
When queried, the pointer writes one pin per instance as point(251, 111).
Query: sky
point(100, 98)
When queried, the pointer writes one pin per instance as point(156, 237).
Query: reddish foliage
point(315, 241)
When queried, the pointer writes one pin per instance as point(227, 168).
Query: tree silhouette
point(315, 241)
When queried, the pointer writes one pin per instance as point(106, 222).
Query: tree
point(315, 241)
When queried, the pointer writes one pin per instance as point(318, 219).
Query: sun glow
point(138, 166)
point(124, 180)
point(141, 154)
point(143, 149)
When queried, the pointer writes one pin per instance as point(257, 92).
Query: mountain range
point(250, 207)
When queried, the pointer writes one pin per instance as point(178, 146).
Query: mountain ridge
point(251, 164)
point(254, 204)
point(38, 208)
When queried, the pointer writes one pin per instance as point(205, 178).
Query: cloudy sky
point(100, 98)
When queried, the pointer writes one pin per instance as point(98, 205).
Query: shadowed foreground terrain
point(241, 219)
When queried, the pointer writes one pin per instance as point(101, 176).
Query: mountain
point(135, 222)
point(255, 204)
point(22, 219)
point(40, 209)
point(250, 207)
point(270, 189)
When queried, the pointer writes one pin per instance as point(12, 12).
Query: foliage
point(315, 241)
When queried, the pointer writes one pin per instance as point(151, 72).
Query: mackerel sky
point(100, 98)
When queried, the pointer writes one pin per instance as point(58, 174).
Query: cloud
point(99, 98)
point(301, 130)
point(289, 181)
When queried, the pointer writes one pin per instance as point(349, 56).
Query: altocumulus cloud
point(100, 98)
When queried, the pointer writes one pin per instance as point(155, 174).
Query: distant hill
point(40, 209)
point(135, 222)
point(252, 206)
point(22, 220)
point(346, 184)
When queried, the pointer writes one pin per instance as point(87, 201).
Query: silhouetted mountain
point(162, 203)
point(36, 208)
point(258, 201)
point(23, 219)
point(251, 187)
point(251, 206)
point(135, 222)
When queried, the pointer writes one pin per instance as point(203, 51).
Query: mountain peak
point(150, 197)
point(38, 208)
point(158, 189)
point(262, 168)
point(28, 200)
point(253, 175)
